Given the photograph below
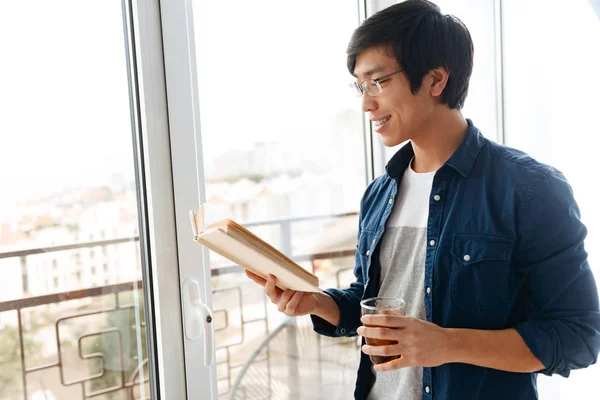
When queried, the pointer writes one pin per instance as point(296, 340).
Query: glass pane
point(552, 114)
point(287, 161)
point(71, 301)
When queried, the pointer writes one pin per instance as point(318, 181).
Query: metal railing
point(128, 383)
point(55, 298)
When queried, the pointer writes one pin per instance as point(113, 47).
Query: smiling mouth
point(379, 122)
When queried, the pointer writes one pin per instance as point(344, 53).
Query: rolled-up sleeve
point(348, 301)
point(563, 326)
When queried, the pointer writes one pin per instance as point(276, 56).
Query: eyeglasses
point(371, 87)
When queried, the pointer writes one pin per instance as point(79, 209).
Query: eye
point(372, 84)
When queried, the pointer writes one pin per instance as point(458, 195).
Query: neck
point(438, 140)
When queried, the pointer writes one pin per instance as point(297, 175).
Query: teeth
point(380, 122)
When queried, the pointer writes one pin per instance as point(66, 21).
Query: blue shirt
point(505, 249)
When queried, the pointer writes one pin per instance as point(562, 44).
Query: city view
point(281, 147)
point(88, 237)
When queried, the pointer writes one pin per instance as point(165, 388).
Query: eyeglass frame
point(377, 81)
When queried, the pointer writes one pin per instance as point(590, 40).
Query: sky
point(64, 97)
point(64, 101)
point(65, 107)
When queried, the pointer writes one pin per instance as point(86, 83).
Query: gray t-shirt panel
point(402, 262)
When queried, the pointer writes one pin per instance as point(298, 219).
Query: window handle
point(197, 318)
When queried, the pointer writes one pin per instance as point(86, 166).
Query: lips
point(379, 122)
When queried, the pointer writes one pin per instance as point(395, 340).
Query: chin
point(389, 141)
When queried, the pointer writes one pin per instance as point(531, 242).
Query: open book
point(236, 243)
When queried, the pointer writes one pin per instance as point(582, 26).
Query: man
point(484, 243)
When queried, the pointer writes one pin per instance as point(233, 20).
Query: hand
point(421, 343)
point(290, 302)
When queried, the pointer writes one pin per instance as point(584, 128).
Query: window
point(288, 144)
point(65, 178)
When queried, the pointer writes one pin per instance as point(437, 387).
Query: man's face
point(396, 114)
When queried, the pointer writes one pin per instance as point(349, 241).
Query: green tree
point(125, 321)
point(10, 360)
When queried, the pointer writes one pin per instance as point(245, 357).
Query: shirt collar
point(462, 160)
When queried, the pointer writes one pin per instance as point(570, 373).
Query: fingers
point(290, 308)
point(271, 290)
point(390, 321)
point(256, 278)
point(398, 363)
point(389, 350)
point(379, 333)
point(284, 299)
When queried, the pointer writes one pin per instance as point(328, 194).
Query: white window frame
point(156, 199)
point(179, 57)
point(179, 80)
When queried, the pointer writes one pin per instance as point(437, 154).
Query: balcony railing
point(128, 383)
point(18, 305)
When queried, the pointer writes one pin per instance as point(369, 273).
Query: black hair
point(421, 38)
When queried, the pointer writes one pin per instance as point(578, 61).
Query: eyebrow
point(370, 72)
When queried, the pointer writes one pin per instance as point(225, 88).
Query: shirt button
point(467, 257)
point(391, 201)
point(432, 243)
point(428, 290)
point(437, 197)
point(368, 252)
point(427, 389)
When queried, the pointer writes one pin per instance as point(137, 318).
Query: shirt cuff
point(540, 338)
point(343, 328)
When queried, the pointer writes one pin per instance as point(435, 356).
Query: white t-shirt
point(402, 260)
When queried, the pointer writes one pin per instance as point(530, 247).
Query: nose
point(368, 103)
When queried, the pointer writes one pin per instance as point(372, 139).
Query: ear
point(439, 79)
